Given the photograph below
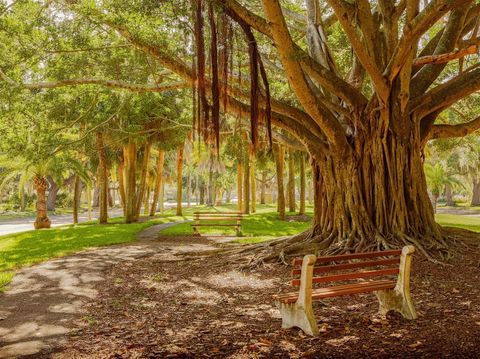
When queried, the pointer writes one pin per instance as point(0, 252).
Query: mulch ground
point(169, 307)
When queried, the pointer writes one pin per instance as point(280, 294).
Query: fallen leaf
point(415, 345)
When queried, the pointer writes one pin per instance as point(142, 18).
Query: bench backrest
point(348, 267)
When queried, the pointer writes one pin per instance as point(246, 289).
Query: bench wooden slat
point(337, 267)
point(219, 213)
point(218, 218)
point(347, 276)
point(340, 290)
point(216, 225)
point(343, 257)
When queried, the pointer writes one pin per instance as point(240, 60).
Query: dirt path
point(43, 300)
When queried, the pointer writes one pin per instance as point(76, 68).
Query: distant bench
point(217, 219)
point(392, 267)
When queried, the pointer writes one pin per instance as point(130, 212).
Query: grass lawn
point(20, 249)
point(471, 223)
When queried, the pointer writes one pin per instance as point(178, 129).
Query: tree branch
point(444, 58)
point(286, 48)
point(460, 130)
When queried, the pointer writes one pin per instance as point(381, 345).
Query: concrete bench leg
point(398, 299)
point(300, 314)
point(294, 315)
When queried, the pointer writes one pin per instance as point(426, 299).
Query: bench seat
point(386, 273)
point(339, 290)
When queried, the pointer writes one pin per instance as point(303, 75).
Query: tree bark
point(89, 201)
point(279, 161)
point(179, 179)
point(246, 186)
point(189, 189)
point(102, 178)
point(158, 181)
point(253, 183)
point(263, 187)
point(302, 185)
point(476, 193)
point(291, 181)
point(240, 185)
point(41, 221)
point(76, 199)
point(143, 178)
point(147, 195)
point(202, 192)
point(130, 156)
point(121, 182)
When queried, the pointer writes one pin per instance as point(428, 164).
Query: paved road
point(26, 224)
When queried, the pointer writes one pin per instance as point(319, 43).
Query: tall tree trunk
point(476, 192)
point(161, 202)
point(240, 186)
point(211, 190)
point(121, 182)
point(41, 221)
point(202, 192)
point(310, 192)
point(158, 181)
point(279, 161)
point(263, 187)
point(302, 185)
point(449, 196)
point(76, 198)
point(253, 183)
point(189, 189)
point(148, 193)
point(246, 186)
point(89, 201)
point(143, 178)
point(179, 179)
point(291, 181)
point(130, 156)
point(52, 193)
point(228, 195)
point(102, 178)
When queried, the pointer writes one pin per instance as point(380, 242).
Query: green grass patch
point(20, 249)
point(257, 227)
point(5, 278)
point(471, 223)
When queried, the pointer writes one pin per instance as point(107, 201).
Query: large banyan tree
point(366, 128)
point(364, 122)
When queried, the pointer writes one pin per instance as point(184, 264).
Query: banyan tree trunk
point(189, 189)
point(41, 221)
point(179, 179)
point(375, 200)
point(246, 187)
point(102, 179)
point(291, 181)
point(302, 185)
point(279, 160)
point(253, 183)
point(76, 198)
point(158, 181)
point(476, 193)
point(240, 186)
point(263, 187)
point(130, 156)
point(121, 182)
point(143, 178)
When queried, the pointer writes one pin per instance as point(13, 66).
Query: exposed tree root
point(280, 250)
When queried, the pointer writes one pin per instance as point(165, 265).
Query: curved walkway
point(43, 299)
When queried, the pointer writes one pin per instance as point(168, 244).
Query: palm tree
point(437, 179)
point(36, 172)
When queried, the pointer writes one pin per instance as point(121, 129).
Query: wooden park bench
point(391, 270)
point(217, 219)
